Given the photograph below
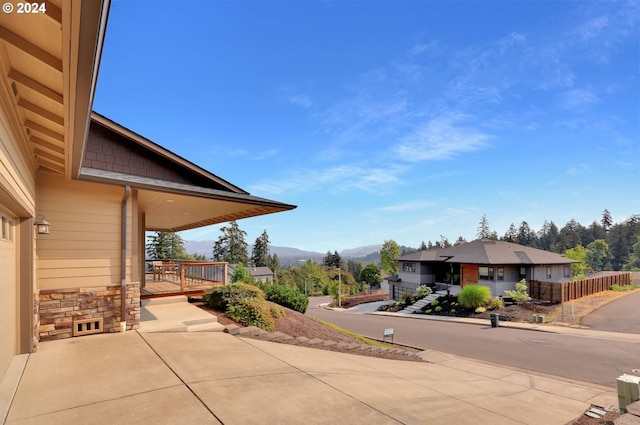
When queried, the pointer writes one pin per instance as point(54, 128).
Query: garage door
point(8, 298)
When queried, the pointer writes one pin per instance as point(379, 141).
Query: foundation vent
point(87, 326)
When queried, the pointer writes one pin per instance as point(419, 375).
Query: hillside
point(291, 256)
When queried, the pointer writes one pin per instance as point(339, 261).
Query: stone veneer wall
point(56, 309)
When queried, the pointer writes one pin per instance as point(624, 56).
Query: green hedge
point(223, 297)
point(286, 296)
point(252, 312)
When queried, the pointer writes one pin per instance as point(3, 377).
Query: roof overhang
point(49, 65)
point(172, 207)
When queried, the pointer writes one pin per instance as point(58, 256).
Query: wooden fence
point(554, 291)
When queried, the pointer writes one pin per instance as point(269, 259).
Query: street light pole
point(339, 288)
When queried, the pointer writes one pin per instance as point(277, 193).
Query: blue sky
point(401, 120)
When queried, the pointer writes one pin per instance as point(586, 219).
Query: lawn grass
point(355, 335)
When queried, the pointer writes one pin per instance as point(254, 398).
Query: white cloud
point(579, 170)
point(441, 138)
point(333, 179)
point(578, 98)
point(407, 206)
point(300, 100)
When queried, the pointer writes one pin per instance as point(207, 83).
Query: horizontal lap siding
point(83, 247)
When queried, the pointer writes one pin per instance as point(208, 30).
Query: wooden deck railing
point(195, 273)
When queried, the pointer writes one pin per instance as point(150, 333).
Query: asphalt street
point(595, 360)
point(621, 315)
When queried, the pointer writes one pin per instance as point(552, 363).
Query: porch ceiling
point(172, 212)
point(48, 64)
point(31, 56)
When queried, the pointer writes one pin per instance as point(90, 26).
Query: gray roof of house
point(254, 271)
point(487, 251)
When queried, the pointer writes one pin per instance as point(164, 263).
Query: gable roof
point(173, 193)
point(487, 251)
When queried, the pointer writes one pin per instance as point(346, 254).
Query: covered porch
point(164, 278)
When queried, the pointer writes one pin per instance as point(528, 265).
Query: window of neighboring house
point(7, 228)
point(408, 267)
point(500, 273)
point(567, 271)
point(548, 272)
point(485, 273)
point(523, 273)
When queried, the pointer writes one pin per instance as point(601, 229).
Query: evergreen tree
point(332, 260)
point(548, 236)
point(166, 245)
point(483, 228)
point(260, 252)
point(231, 246)
point(606, 220)
point(526, 236)
point(460, 241)
point(621, 239)
point(273, 262)
point(570, 235)
point(388, 253)
point(511, 235)
point(594, 232)
point(423, 246)
point(430, 245)
point(633, 262)
point(354, 267)
point(444, 242)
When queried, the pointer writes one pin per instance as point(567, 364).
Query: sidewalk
point(215, 378)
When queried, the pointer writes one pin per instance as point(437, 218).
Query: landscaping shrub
point(435, 303)
point(252, 312)
point(222, 297)
point(474, 296)
point(286, 296)
point(520, 294)
point(619, 288)
point(407, 298)
point(277, 311)
point(480, 310)
point(495, 303)
point(423, 291)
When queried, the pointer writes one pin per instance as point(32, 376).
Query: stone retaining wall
point(56, 309)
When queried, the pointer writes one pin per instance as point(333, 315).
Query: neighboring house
point(495, 264)
point(262, 274)
point(98, 184)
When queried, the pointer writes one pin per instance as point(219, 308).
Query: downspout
point(123, 260)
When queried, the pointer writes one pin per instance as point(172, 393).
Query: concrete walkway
point(213, 378)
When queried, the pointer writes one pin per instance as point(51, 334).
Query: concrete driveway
point(214, 378)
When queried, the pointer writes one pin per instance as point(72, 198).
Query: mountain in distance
point(206, 248)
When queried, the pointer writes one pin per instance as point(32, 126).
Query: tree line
point(602, 245)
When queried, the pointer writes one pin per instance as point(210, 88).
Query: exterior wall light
point(42, 225)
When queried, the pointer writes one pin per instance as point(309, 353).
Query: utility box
point(628, 390)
